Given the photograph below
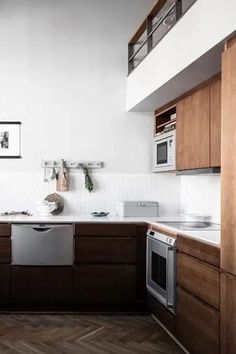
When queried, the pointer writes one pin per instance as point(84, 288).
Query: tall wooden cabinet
point(198, 128)
point(228, 201)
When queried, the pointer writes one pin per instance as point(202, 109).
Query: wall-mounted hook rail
point(72, 164)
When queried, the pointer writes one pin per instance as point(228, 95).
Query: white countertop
point(211, 237)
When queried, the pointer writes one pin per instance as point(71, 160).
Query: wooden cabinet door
point(199, 278)
point(105, 284)
point(215, 123)
point(197, 325)
point(41, 286)
point(228, 314)
point(4, 284)
point(228, 163)
point(193, 130)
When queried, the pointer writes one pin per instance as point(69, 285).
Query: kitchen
point(86, 137)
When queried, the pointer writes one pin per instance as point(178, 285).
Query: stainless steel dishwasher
point(42, 244)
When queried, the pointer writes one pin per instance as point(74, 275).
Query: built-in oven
point(161, 268)
point(164, 152)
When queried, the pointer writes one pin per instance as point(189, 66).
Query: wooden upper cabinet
point(215, 123)
point(193, 130)
point(228, 165)
point(198, 128)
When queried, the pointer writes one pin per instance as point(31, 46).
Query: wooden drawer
point(5, 284)
point(5, 250)
point(5, 230)
point(199, 278)
point(105, 229)
point(203, 251)
point(105, 284)
point(105, 250)
point(46, 286)
point(197, 325)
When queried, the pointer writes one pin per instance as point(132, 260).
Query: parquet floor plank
point(83, 334)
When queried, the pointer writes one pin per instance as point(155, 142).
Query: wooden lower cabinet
point(228, 314)
point(42, 286)
point(4, 284)
point(167, 318)
point(199, 278)
point(105, 284)
point(198, 325)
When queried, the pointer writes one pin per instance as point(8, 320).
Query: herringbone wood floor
point(83, 334)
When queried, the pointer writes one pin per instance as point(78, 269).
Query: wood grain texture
point(228, 162)
point(193, 130)
point(46, 286)
point(105, 229)
point(203, 251)
point(215, 123)
point(5, 249)
point(228, 314)
point(5, 230)
point(105, 284)
point(199, 278)
point(4, 284)
point(197, 325)
point(73, 334)
point(162, 313)
point(105, 249)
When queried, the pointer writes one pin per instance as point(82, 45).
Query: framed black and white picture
point(10, 140)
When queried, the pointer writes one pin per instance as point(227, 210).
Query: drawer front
point(47, 286)
point(207, 253)
point(5, 250)
point(105, 250)
point(5, 284)
point(105, 284)
point(105, 229)
point(198, 326)
point(5, 230)
point(199, 278)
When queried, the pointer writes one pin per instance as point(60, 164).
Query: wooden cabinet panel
point(215, 123)
point(228, 163)
point(199, 278)
point(167, 318)
point(228, 314)
point(193, 130)
point(203, 251)
point(5, 284)
point(47, 286)
point(5, 249)
point(105, 229)
point(197, 325)
point(105, 284)
point(105, 250)
point(5, 230)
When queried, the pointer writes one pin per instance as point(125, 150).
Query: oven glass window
point(159, 270)
point(161, 153)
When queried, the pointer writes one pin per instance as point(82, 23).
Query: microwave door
point(162, 153)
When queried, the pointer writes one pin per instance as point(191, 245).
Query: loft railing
point(159, 21)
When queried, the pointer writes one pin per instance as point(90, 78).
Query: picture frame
point(10, 140)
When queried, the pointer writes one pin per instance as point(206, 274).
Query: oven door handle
point(170, 268)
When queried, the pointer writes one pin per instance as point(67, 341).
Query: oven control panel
point(162, 237)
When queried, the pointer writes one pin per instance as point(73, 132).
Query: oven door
point(161, 272)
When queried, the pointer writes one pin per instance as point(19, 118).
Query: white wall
point(63, 67)
point(201, 195)
point(204, 25)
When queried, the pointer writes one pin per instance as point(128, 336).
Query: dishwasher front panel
point(41, 245)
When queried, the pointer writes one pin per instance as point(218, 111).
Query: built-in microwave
point(164, 152)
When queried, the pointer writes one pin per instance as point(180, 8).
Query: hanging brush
point(88, 181)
